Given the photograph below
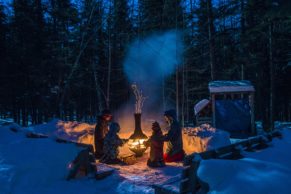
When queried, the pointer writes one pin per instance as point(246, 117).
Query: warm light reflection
point(137, 146)
point(137, 143)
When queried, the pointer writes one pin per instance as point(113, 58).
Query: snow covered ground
point(267, 171)
point(39, 166)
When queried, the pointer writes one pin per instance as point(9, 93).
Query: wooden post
point(251, 103)
point(213, 110)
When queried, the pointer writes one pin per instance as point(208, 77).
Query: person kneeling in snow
point(174, 151)
point(100, 132)
point(83, 164)
point(156, 144)
point(111, 144)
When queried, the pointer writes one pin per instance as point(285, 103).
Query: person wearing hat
point(100, 132)
point(156, 144)
point(174, 151)
point(112, 142)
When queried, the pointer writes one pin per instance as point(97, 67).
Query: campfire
point(138, 138)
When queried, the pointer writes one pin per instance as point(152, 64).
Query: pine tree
point(3, 31)
point(3, 57)
point(261, 18)
point(120, 34)
point(151, 15)
point(64, 49)
point(93, 58)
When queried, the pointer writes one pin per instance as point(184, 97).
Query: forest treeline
point(64, 58)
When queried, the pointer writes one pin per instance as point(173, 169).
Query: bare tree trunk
point(183, 84)
point(242, 38)
point(177, 71)
point(83, 46)
point(177, 92)
point(271, 76)
point(183, 96)
point(211, 39)
point(98, 88)
point(109, 60)
point(164, 94)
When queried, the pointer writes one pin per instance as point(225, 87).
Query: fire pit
point(138, 138)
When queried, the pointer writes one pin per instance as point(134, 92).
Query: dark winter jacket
point(156, 144)
point(174, 139)
point(111, 144)
point(101, 130)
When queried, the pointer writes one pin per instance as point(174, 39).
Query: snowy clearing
point(34, 166)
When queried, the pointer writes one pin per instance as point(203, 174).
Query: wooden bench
point(189, 181)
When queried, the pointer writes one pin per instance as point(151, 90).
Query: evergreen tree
point(172, 17)
point(120, 35)
point(93, 58)
point(151, 15)
point(64, 48)
point(3, 32)
point(3, 56)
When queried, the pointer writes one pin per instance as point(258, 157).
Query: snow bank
point(67, 130)
point(203, 138)
point(265, 171)
point(46, 129)
point(27, 165)
point(75, 131)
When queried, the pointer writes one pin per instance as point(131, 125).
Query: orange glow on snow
point(84, 133)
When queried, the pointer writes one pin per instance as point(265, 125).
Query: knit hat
point(171, 113)
point(114, 128)
point(106, 112)
point(156, 126)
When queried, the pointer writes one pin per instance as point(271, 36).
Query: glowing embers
point(137, 146)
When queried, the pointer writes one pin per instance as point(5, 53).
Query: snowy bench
point(189, 181)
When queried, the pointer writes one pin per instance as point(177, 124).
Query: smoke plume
point(148, 62)
point(153, 58)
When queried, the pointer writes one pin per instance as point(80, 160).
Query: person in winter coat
point(111, 144)
point(101, 130)
point(83, 164)
point(174, 151)
point(156, 144)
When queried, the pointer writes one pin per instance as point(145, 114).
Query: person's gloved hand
point(156, 126)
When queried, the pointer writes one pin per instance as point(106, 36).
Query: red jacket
point(156, 144)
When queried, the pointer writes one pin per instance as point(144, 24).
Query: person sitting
point(174, 151)
point(83, 164)
point(112, 142)
point(156, 145)
point(100, 132)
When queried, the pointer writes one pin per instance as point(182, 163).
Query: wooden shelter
point(231, 91)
